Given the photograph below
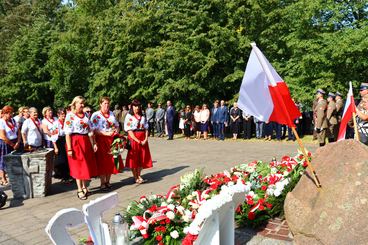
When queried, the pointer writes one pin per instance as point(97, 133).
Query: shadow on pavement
point(158, 175)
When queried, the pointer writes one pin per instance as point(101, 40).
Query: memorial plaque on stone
point(30, 173)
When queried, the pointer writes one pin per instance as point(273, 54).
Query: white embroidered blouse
point(77, 125)
point(135, 123)
point(102, 123)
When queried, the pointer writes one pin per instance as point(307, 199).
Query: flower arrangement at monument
point(176, 218)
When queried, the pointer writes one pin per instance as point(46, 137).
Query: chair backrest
point(218, 227)
point(93, 212)
point(56, 229)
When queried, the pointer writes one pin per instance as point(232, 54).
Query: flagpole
point(356, 137)
point(273, 82)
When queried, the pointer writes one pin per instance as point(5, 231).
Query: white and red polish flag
point(349, 109)
point(263, 93)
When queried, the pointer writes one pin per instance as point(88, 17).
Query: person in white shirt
point(205, 117)
point(197, 121)
point(9, 139)
point(81, 146)
point(31, 131)
point(50, 129)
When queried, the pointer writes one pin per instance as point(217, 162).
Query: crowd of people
point(82, 139)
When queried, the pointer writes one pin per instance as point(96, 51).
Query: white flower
point(180, 209)
point(163, 204)
point(170, 215)
point(171, 206)
point(174, 234)
point(227, 173)
point(277, 192)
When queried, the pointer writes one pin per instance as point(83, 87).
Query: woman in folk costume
point(105, 126)
point(9, 139)
point(50, 129)
point(139, 156)
point(81, 146)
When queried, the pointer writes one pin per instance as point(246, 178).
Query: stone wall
point(30, 174)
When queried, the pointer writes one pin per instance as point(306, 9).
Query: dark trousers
point(151, 128)
point(221, 131)
point(278, 130)
point(160, 126)
point(291, 135)
point(170, 129)
point(215, 127)
point(247, 126)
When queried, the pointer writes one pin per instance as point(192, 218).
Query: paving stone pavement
point(23, 222)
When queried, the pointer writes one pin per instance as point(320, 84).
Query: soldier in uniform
point(314, 121)
point(362, 114)
point(331, 118)
point(339, 109)
point(321, 121)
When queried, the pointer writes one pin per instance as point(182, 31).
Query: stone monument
point(336, 213)
point(30, 173)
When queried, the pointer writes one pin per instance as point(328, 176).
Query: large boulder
point(338, 212)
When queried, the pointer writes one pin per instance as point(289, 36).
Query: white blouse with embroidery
point(11, 128)
point(76, 125)
point(52, 126)
point(133, 123)
point(102, 123)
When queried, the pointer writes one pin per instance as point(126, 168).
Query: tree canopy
point(188, 51)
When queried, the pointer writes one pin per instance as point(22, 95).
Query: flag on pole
point(264, 94)
point(349, 109)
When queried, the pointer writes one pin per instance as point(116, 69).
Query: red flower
point(305, 164)
point(167, 221)
point(264, 188)
point(251, 216)
point(67, 122)
point(81, 122)
point(301, 157)
point(159, 238)
point(153, 208)
point(238, 209)
point(94, 120)
point(261, 207)
point(268, 205)
point(189, 239)
point(162, 222)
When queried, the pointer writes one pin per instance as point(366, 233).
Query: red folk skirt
point(139, 156)
point(104, 159)
point(82, 163)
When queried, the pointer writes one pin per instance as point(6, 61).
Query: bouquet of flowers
point(117, 147)
point(169, 219)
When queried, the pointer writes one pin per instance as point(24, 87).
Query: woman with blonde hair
point(9, 139)
point(50, 129)
point(205, 117)
point(81, 146)
point(105, 126)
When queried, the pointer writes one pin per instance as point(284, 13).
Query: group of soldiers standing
point(327, 115)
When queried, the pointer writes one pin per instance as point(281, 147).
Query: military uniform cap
point(363, 86)
point(338, 94)
point(330, 94)
point(321, 91)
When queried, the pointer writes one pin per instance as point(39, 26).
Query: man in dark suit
point(170, 116)
point(214, 119)
point(223, 117)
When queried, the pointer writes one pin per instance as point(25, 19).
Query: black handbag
point(3, 198)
